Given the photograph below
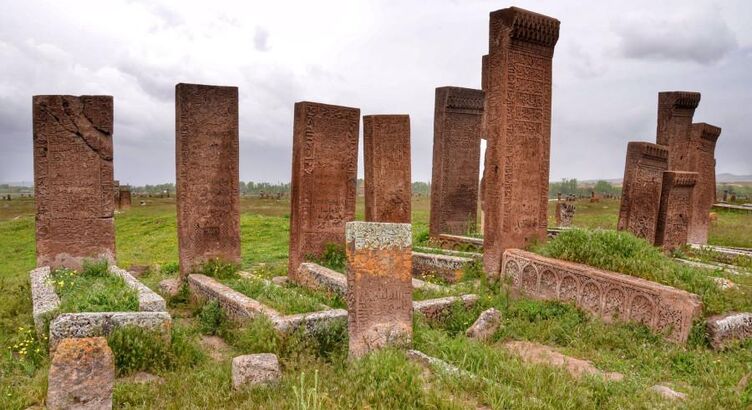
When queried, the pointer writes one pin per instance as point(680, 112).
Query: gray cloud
point(700, 35)
point(261, 39)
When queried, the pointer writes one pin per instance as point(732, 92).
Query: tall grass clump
point(218, 269)
point(137, 349)
point(625, 253)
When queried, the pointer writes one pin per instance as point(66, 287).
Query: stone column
point(379, 285)
point(518, 102)
point(386, 152)
point(641, 189)
point(676, 207)
point(206, 155)
point(124, 198)
point(702, 161)
point(456, 160)
point(73, 179)
point(675, 111)
point(324, 178)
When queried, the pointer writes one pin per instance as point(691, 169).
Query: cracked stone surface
point(485, 326)
point(255, 369)
point(82, 374)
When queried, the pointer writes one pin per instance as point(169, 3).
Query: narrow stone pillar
point(702, 161)
point(676, 206)
point(379, 285)
point(324, 178)
point(386, 152)
point(518, 100)
point(641, 189)
point(206, 155)
point(675, 112)
point(73, 179)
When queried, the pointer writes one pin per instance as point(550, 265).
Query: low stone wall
point(45, 305)
point(609, 295)
point(80, 325)
point(471, 255)
point(317, 277)
point(447, 241)
point(236, 304)
point(724, 329)
point(447, 267)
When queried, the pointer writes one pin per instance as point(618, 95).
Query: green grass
point(623, 252)
point(316, 371)
point(286, 301)
point(93, 289)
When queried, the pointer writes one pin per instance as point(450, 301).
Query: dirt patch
point(536, 353)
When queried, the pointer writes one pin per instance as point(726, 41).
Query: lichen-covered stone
point(255, 369)
point(486, 325)
point(237, 305)
point(148, 301)
point(170, 287)
point(724, 329)
point(86, 325)
point(436, 308)
point(82, 374)
point(315, 276)
point(44, 299)
point(668, 393)
point(447, 267)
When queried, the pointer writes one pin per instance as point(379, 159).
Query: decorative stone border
point(608, 295)
point(440, 251)
point(242, 308)
point(448, 241)
point(447, 267)
point(152, 312)
point(314, 276)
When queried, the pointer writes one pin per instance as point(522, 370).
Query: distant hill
point(733, 178)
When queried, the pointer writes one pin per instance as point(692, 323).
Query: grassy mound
point(94, 289)
point(625, 253)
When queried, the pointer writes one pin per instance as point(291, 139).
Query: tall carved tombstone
point(518, 118)
point(456, 160)
point(206, 155)
point(675, 112)
point(324, 178)
point(641, 189)
point(386, 152)
point(124, 198)
point(483, 135)
point(676, 207)
point(379, 285)
point(73, 179)
point(702, 161)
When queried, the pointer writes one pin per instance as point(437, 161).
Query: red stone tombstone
point(702, 161)
point(676, 208)
point(124, 197)
point(379, 285)
point(324, 178)
point(386, 152)
point(641, 189)
point(206, 155)
point(518, 118)
point(73, 179)
point(675, 112)
point(456, 160)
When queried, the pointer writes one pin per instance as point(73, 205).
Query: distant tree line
point(573, 187)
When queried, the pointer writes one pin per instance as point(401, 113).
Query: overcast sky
point(380, 56)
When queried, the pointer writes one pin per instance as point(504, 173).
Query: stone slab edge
point(148, 300)
point(236, 304)
point(445, 266)
point(44, 299)
point(723, 329)
point(101, 324)
point(314, 276)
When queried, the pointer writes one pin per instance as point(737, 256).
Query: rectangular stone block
point(702, 161)
point(324, 178)
point(386, 152)
point(725, 329)
point(609, 295)
point(73, 179)
point(206, 156)
point(237, 305)
point(124, 197)
point(641, 189)
point(518, 119)
point(446, 267)
point(456, 160)
point(82, 375)
point(675, 112)
point(675, 210)
point(379, 285)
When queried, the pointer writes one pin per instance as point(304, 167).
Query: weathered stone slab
point(564, 214)
point(324, 178)
point(440, 251)
point(436, 308)
point(675, 211)
point(430, 361)
point(675, 112)
point(386, 153)
point(702, 160)
point(608, 295)
point(450, 242)
point(45, 301)
point(536, 353)
point(518, 99)
point(255, 369)
point(667, 392)
point(124, 197)
point(73, 179)
point(456, 160)
point(447, 267)
point(315, 276)
point(723, 329)
point(379, 285)
point(82, 375)
point(170, 287)
point(236, 304)
point(485, 326)
point(148, 300)
point(641, 189)
point(206, 154)
point(309, 322)
point(83, 325)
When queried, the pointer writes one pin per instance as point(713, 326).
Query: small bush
point(333, 257)
point(136, 349)
point(422, 237)
point(212, 318)
point(218, 269)
point(169, 268)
